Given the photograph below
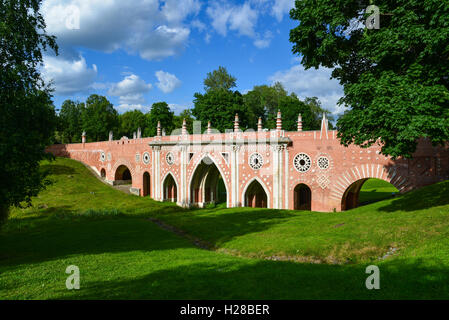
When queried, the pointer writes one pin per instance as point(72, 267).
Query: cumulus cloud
point(241, 19)
point(264, 42)
point(167, 81)
point(127, 107)
point(141, 26)
point(130, 90)
point(69, 76)
point(282, 7)
point(311, 83)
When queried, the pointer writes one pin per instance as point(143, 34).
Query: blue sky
point(144, 51)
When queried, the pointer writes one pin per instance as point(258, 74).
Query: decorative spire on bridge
point(159, 131)
point(236, 123)
point(83, 137)
point(184, 127)
point(279, 121)
point(209, 127)
point(111, 136)
point(299, 122)
point(259, 125)
point(139, 133)
point(324, 125)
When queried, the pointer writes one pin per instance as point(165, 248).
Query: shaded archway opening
point(170, 189)
point(146, 184)
point(207, 185)
point(122, 175)
point(366, 191)
point(255, 196)
point(103, 174)
point(302, 197)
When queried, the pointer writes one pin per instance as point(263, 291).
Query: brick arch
point(126, 163)
point(198, 162)
point(359, 174)
point(264, 188)
point(170, 173)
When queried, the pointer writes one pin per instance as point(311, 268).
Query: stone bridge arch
point(197, 166)
point(169, 191)
point(347, 185)
point(264, 187)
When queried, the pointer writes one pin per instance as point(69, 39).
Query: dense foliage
point(395, 78)
point(27, 116)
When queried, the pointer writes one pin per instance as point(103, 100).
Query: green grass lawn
point(375, 189)
point(122, 254)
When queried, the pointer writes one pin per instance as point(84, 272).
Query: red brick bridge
point(307, 170)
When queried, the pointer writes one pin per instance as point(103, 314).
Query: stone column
point(286, 177)
point(184, 198)
point(156, 173)
point(277, 176)
point(235, 176)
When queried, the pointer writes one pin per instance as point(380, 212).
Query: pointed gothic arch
point(169, 188)
point(205, 181)
point(255, 194)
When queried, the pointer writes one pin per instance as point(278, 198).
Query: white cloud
point(167, 81)
point(311, 83)
point(241, 19)
point(130, 90)
point(282, 7)
point(142, 26)
point(127, 107)
point(264, 42)
point(199, 25)
point(176, 11)
point(69, 76)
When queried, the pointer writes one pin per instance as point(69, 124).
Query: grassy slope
point(121, 254)
point(375, 190)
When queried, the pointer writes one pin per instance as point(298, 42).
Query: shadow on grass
point(257, 279)
point(423, 198)
point(218, 226)
point(55, 238)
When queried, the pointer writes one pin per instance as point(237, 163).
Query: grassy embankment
point(122, 254)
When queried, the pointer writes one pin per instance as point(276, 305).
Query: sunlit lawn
point(121, 254)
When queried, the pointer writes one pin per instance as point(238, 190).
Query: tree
point(130, 121)
point(317, 111)
point(160, 111)
point(98, 118)
point(70, 121)
point(395, 78)
point(219, 79)
point(27, 117)
point(178, 120)
point(263, 101)
point(219, 107)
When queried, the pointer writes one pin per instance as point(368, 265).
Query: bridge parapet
point(276, 169)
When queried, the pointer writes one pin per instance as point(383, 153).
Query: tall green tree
point(27, 116)
point(290, 106)
point(317, 110)
point(219, 107)
point(219, 79)
point(98, 118)
point(160, 111)
point(263, 101)
point(178, 120)
point(130, 121)
point(70, 125)
point(395, 78)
